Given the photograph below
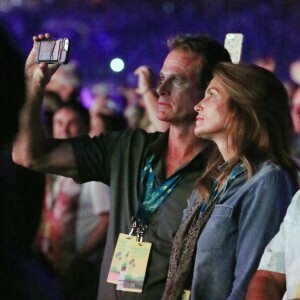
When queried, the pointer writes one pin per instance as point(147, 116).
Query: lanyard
point(152, 198)
point(218, 190)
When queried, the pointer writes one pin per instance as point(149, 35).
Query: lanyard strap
point(218, 188)
point(152, 198)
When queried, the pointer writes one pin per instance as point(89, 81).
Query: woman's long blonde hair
point(260, 125)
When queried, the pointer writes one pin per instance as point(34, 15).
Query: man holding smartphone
point(134, 163)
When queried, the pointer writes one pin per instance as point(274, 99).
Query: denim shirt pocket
point(215, 230)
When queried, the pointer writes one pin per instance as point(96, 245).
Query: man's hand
point(38, 75)
point(266, 285)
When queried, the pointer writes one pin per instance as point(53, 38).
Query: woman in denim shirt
point(242, 197)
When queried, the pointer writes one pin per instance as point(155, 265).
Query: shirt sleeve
point(98, 158)
point(94, 155)
point(92, 159)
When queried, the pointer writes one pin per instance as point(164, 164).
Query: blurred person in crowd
point(293, 83)
point(21, 192)
point(104, 118)
point(66, 82)
point(130, 93)
point(278, 275)
point(105, 113)
point(135, 117)
point(134, 112)
point(294, 71)
point(51, 103)
point(101, 96)
point(295, 112)
point(75, 217)
point(241, 198)
point(291, 88)
point(150, 174)
point(268, 63)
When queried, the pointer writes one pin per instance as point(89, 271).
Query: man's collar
point(160, 146)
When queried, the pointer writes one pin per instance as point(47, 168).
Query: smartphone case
point(234, 44)
point(54, 51)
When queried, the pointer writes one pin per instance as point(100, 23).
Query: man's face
point(179, 89)
point(67, 124)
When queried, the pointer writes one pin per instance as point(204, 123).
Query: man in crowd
point(151, 175)
point(278, 274)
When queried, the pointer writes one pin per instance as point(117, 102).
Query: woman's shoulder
point(270, 174)
point(269, 168)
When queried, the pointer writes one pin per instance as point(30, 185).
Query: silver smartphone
point(53, 51)
point(234, 45)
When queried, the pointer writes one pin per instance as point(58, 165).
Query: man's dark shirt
point(117, 159)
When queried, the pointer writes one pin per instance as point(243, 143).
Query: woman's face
point(213, 112)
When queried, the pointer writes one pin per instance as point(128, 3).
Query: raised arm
point(146, 90)
point(266, 285)
point(32, 148)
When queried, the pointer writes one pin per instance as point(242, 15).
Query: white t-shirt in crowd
point(94, 199)
point(282, 254)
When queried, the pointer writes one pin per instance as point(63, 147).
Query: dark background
point(136, 30)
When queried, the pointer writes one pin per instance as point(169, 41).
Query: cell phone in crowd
point(53, 51)
point(234, 45)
